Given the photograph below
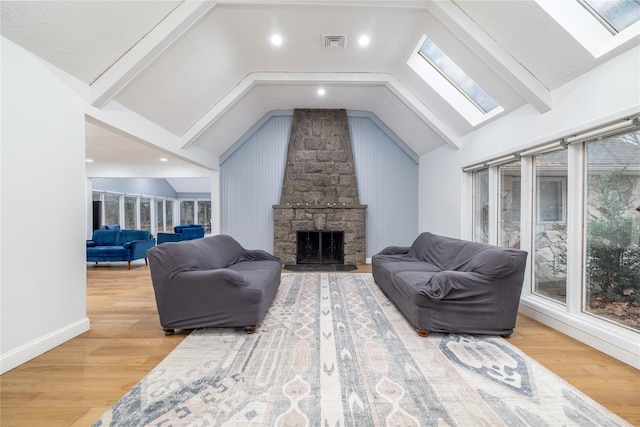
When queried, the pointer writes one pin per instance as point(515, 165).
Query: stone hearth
point(320, 190)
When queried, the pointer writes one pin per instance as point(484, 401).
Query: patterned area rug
point(333, 351)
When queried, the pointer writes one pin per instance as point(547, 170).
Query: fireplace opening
point(320, 247)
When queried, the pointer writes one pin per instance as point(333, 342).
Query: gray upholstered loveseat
point(212, 282)
point(443, 284)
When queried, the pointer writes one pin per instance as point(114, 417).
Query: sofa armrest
point(259, 255)
point(497, 262)
point(90, 243)
point(138, 248)
point(395, 250)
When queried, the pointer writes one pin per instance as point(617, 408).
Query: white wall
point(43, 205)
point(608, 92)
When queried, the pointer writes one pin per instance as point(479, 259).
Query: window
point(204, 214)
point(481, 205)
point(509, 209)
point(168, 211)
point(575, 204)
point(130, 212)
point(600, 26)
point(615, 15)
point(550, 230)
point(160, 215)
point(456, 76)
point(187, 214)
point(145, 214)
point(612, 232)
point(454, 85)
point(111, 209)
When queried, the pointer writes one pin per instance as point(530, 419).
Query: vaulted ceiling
point(202, 73)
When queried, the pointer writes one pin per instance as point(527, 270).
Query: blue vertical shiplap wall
point(388, 183)
point(251, 182)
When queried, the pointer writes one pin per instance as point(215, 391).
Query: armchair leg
point(129, 265)
point(145, 261)
point(422, 332)
point(505, 336)
point(250, 329)
point(168, 331)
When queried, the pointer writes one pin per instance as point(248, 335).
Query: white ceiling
point(202, 73)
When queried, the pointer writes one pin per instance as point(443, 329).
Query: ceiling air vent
point(334, 41)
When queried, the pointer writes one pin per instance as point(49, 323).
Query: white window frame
point(570, 318)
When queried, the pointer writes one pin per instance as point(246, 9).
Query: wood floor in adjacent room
point(76, 382)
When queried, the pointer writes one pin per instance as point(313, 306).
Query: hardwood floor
point(76, 382)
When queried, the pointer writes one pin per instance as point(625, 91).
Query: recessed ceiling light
point(163, 159)
point(276, 40)
point(321, 91)
point(363, 40)
point(88, 160)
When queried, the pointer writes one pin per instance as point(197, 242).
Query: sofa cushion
point(401, 265)
point(106, 237)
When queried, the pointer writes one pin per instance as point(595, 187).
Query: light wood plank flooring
point(76, 382)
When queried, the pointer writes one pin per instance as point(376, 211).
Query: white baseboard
point(35, 348)
point(614, 341)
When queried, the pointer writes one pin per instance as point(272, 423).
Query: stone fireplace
point(320, 190)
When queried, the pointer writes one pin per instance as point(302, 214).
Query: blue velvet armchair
point(119, 245)
point(182, 232)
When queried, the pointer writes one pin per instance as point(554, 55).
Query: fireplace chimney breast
point(320, 189)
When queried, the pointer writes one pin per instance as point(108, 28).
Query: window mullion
point(493, 205)
point(526, 218)
point(575, 227)
point(122, 212)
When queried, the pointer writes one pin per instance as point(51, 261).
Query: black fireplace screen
point(320, 247)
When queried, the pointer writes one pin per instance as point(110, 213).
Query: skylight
point(615, 15)
point(600, 26)
point(438, 59)
point(452, 84)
